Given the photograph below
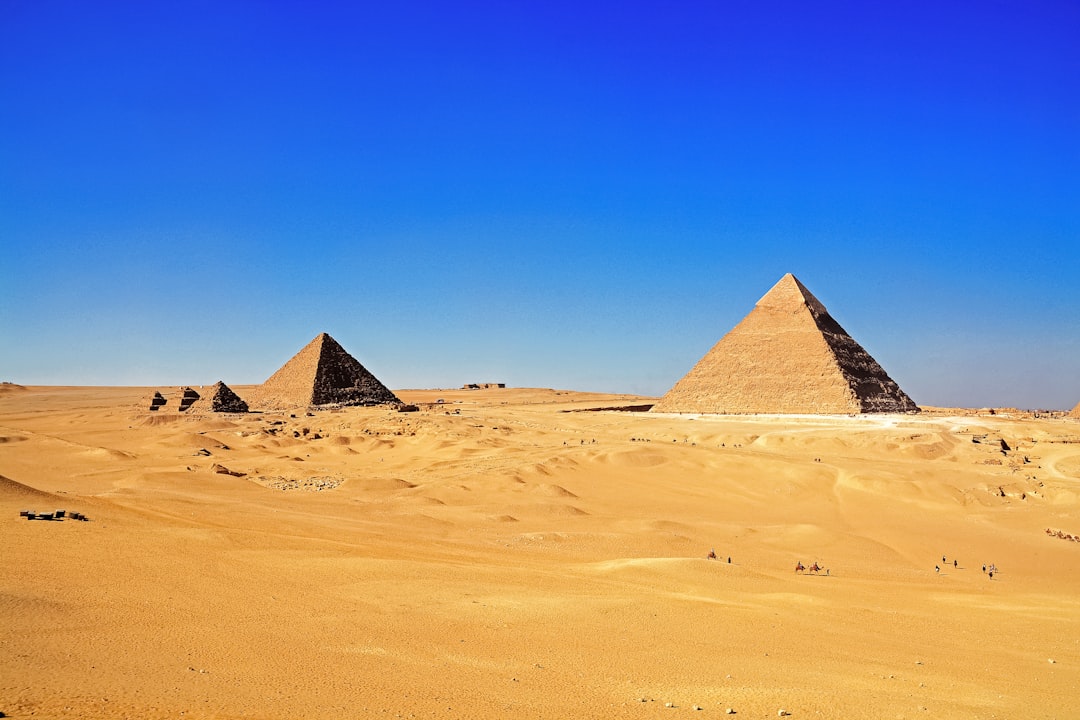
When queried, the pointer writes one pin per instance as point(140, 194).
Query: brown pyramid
point(223, 399)
point(1075, 411)
point(787, 356)
point(321, 374)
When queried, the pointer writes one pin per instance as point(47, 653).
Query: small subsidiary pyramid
point(224, 400)
point(787, 356)
point(188, 397)
point(322, 374)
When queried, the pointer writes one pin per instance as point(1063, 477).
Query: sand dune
point(500, 554)
point(10, 489)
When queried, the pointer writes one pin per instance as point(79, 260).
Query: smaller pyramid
point(787, 356)
point(188, 396)
point(157, 401)
point(224, 400)
point(1075, 411)
point(322, 374)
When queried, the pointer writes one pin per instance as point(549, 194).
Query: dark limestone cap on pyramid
point(323, 374)
point(787, 356)
point(224, 400)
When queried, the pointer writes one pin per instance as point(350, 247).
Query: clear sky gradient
point(572, 195)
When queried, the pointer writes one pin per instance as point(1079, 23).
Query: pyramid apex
point(789, 294)
point(321, 340)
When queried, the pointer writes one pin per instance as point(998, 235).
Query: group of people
point(815, 568)
point(990, 571)
point(799, 567)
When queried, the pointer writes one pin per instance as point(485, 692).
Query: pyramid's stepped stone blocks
point(322, 374)
point(187, 398)
point(157, 401)
point(787, 356)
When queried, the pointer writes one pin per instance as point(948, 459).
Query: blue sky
point(571, 195)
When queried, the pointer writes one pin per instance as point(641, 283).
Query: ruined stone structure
point(187, 398)
point(322, 374)
point(157, 401)
point(787, 356)
point(224, 400)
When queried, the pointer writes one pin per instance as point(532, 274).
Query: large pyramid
point(1075, 411)
point(322, 373)
point(787, 356)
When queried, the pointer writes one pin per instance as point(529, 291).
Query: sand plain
point(506, 554)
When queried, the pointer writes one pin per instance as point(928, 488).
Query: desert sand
point(506, 554)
